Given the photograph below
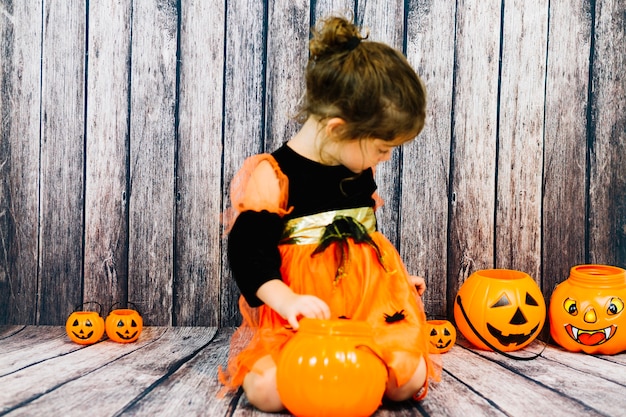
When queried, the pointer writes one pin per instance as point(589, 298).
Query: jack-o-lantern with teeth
point(84, 327)
point(442, 336)
point(500, 309)
point(124, 325)
point(587, 310)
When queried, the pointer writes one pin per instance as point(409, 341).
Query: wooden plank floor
point(172, 372)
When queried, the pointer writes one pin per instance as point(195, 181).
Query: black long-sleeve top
point(313, 188)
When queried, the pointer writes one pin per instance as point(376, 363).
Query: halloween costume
point(320, 237)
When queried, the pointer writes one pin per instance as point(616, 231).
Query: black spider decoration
point(397, 316)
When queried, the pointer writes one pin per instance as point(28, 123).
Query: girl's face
point(356, 154)
point(359, 155)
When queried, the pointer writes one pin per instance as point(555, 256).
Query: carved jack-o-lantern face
point(587, 310)
point(442, 336)
point(124, 325)
point(500, 308)
point(84, 327)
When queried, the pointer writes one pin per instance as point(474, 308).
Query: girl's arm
point(419, 283)
point(289, 305)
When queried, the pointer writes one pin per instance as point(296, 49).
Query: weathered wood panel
point(41, 373)
point(152, 158)
point(199, 198)
point(288, 28)
point(471, 233)
point(20, 104)
point(324, 8)
point(192, 389)
point(107, 151)
point(244, 90)
point(173, 371)
point(124, 122)
point(520, 136)
point(143, 365)
point(16, 354)
point(61, 187)
point(578, 382)
point(466, 401)
point(565, 141)
point(385, 23)
point(568, 391)
point(426, 161)
point(607, 144)
point(8, 331)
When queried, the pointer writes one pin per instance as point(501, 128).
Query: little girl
point(305, 241)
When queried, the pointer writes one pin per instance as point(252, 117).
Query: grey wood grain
point(426, 161)
point(20, 109)
point(106, 152)
point(585, 390)
point(123, 124)
point(326, 8)
point(384, 22)
point(172, 371)
point(287, 40)
point(473, 148)
point(192, 390)
point(41, 372)
point(565, 143)
point(244, 85)
point(61, 161)
point(511, 394)
point(199, 164)
point(17, 353)
point(152, 156)
point(607, 147)
point(520, 137)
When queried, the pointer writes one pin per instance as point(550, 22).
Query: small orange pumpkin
point(331, 368)
point(124, 325)
point(587, 310)
point(442, 336)
point(84, 327)
point(500, 309)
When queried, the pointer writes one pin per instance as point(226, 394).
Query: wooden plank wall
point(123, 122)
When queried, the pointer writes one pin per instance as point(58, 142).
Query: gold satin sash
point(309, 229)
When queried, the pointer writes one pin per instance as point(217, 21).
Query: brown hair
point(369, 85)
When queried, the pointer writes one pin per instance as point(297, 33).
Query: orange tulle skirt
point(373, 286)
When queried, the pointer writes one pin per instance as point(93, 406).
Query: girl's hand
point(419, 283)
point(298, 306)
point(291, 306)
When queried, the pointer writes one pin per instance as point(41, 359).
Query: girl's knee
point(261, 390)
point(410, 388)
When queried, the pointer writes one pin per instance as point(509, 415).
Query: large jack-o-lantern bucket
point(587, 310)
point(331, 368)
point(500, 309)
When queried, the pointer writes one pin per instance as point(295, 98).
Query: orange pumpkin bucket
point(124, 325)
point(85, 327)
point(331, 368)
point(587, 310)
point(441, 335)
point(500, 309)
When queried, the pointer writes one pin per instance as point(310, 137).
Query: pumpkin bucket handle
point(486, 342)
point(80, 307)
point(119, 303)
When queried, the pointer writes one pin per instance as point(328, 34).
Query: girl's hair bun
point(369, 85)
point(334, 35)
